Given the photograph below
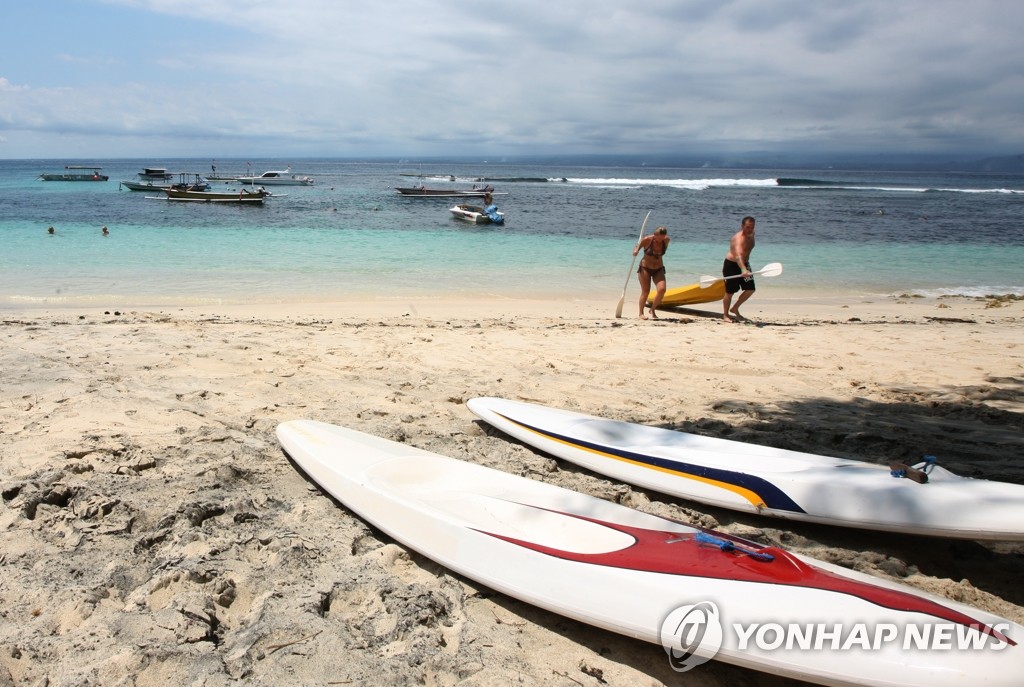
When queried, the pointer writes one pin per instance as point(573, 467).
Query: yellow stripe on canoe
point(751, 496)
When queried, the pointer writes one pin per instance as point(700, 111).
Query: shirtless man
point(737, 261)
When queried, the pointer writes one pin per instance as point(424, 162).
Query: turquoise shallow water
point(351, 236)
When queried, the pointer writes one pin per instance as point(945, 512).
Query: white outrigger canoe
point(769, 481)
point(656, 579)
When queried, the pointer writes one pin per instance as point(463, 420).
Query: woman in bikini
point(652, 268)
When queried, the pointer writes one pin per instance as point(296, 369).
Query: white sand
point(153, 533)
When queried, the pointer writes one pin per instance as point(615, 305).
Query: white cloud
point(410, 77)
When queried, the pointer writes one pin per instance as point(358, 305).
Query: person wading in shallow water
point(737, 262)
point(652, 268)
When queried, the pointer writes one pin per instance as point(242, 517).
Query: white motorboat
point(478, 215)
point(277, 178)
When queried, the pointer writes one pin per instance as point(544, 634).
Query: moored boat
point(424, 192)
point(276, 178)
point(187, 181)
point(155, 174)
point(214, 176)
point(243, 196)
point(478, 215)
point(76, 173)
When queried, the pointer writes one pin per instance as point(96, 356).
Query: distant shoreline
point(971, 162)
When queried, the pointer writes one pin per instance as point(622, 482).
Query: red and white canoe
point(632, 573)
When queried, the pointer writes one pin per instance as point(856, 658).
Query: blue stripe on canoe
point(771, 495)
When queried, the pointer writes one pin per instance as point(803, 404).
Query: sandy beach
point(152, 532)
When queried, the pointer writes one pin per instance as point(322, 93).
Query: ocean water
point(569, 233)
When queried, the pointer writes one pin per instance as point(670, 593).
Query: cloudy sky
point(406, 78)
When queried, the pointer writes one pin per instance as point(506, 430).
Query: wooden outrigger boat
point(214, 176)
point(242, 197)
point(76, 173)
point(187, 181)
point(424, 192)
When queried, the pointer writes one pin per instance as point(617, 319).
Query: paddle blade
point(622, 298)
point(707, 281)
point(772, 269)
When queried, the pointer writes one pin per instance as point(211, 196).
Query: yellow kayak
point(693, 294)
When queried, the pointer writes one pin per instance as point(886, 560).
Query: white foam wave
point(984, 190)
point(703, 184)
point(692, 184)
point(885, 189)
point(970, 291)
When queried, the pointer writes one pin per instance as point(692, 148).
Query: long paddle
point(622, 298)
point(772, 269)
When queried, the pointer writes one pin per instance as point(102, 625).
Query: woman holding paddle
point(652, 268)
